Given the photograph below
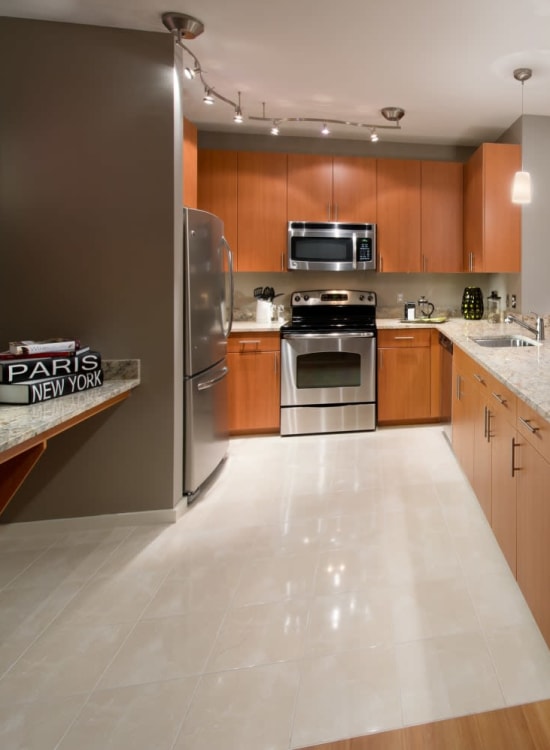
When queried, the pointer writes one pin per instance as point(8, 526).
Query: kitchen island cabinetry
point(492, 223)
point(441, 216)
point(398, 215)
point(327, 188)
point(262, 211)
point(404, 382)
point(254, 382)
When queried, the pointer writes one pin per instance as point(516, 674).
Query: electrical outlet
point(400, 297)
point(513, 302)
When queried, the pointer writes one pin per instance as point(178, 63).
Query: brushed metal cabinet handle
point(514, 467)
point(499, 398)
point(527, 423)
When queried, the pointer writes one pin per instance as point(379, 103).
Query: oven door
point(328, 368)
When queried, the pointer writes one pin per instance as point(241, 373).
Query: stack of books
point(34, 371)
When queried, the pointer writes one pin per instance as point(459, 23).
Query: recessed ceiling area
point(449, 65)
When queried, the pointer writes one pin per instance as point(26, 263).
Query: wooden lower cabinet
point(514, 462)
point(404, 382)
point(254, 383)
point(533, 533)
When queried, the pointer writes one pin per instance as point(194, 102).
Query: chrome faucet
point(537, 329)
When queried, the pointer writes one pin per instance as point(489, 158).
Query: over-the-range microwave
point(331, 246)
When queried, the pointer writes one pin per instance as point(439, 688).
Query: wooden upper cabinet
point(262, 210)
point(492, 223)
point(189, 164)
point(354, 189)
point(442, 216)
point(309, 187)
point(327, 188)
point(398, 212)
point(217, 191)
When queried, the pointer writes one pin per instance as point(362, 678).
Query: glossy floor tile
point(323, 587)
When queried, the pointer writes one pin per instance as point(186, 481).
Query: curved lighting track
point(183, 26)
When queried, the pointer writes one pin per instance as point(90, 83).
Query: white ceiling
point(448, 63)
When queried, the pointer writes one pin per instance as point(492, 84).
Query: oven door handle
point(336, 335)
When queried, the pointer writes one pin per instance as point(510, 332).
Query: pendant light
point(521, 186)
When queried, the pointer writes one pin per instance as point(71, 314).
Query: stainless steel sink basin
point(497, 341)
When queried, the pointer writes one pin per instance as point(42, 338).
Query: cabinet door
point(403, 384)
point(398, 212)
point(503, 486)
point(262, 223)
point(217, 191)
point(189, 194)
point(354, 189)
point(492, 223)
point(464, 407)
point(533, 532)
point(481, 481)
point(309, 187)
point(442, 216)
point(253, 390)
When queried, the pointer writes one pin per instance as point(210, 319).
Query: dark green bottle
point(472, 303)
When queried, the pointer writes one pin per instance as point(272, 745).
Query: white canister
point(264, 311)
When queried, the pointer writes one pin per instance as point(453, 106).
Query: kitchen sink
point(497, 341)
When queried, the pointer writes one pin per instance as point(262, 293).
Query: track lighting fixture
point(521, 186)
point(183, 26)
point(238, 116)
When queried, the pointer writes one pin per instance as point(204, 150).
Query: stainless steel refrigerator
point(208, 311)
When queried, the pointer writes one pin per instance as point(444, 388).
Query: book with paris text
point(35, 391)
point(18, 369)
point(44, 347)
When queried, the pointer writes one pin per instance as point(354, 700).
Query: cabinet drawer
point(251, 342)
point(533, 428)
point(501, 399)
point(404, 337)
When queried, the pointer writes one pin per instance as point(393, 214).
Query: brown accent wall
point(87, 247)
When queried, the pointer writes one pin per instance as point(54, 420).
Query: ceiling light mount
point(184, 26)
point(392, 114)
point(523, 74)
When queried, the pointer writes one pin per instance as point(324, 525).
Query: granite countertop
point(21, 423)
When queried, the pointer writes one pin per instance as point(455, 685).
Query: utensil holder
point(264, 311)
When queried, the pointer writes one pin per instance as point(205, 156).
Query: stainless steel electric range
point(328, 363)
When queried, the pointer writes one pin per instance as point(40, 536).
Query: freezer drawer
point(206, 435)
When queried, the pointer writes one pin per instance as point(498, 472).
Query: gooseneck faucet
point(537, 329)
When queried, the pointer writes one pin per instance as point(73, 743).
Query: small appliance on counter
point(472, 303)
point(493, 308)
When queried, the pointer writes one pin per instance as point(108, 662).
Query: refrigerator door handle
point(231, 284)
point(212, 381)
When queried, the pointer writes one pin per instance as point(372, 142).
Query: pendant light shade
point(521, 186)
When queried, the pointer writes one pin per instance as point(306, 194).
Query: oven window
point(328, 370)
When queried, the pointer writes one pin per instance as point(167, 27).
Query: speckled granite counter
point(19, 424)
point(250, 326)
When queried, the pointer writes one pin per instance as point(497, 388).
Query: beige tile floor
point(324, 587)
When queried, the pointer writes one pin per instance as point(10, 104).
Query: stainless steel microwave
point(331, 246)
